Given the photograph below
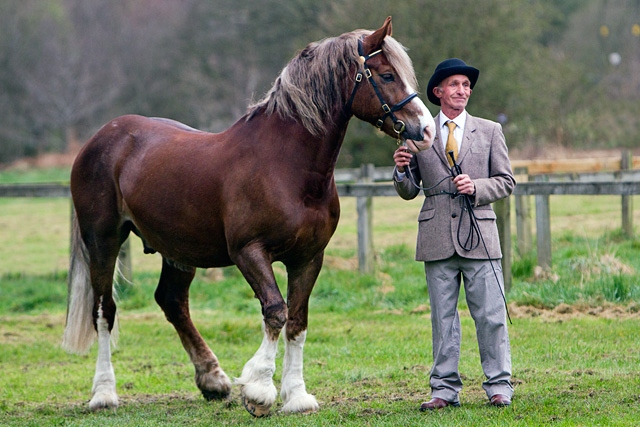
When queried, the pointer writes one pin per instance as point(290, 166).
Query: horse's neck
point(323, 155)
point(297, 148)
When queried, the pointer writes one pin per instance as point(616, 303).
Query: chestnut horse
point(259, 192)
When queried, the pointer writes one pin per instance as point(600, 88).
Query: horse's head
point(384, 93)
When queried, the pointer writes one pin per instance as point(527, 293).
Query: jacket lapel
point(468, 137)
point(438, 144)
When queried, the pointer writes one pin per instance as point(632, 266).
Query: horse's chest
point(320, 221)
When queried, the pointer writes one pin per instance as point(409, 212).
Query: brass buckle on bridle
point(398, 128)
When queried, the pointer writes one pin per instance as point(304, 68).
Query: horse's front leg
point(293, 392)
point(172, 295)
point(256, 382)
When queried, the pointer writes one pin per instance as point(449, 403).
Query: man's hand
point(402, 158)
point(464, 184)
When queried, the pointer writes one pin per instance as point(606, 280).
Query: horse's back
point(191, 194)
point(165, 179)
point(127, 142)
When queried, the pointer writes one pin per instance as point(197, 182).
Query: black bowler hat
point(448, 68)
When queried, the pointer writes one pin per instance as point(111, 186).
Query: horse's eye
point(387, 77)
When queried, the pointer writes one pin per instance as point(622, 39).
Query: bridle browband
point(398, 125)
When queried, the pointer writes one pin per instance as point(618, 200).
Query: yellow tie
point(452, 144)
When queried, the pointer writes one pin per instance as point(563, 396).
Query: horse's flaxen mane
point(315, 80)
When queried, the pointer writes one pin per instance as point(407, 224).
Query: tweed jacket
point(442, 223)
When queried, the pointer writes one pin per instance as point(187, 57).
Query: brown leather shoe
point(437, 403)
point(500, 400)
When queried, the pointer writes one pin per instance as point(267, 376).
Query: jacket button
point(454, 215)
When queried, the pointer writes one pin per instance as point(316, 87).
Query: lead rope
point(473, 221)
point(413, 181)
point(474, 229)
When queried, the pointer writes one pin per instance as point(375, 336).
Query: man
point(449, 244)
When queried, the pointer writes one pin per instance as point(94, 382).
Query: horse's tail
point(79, 333)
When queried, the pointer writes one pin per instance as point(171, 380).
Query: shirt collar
point(460, 121)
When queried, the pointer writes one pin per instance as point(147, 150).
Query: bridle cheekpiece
point(398, 125)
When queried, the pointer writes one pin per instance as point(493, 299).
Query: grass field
point(575, 333)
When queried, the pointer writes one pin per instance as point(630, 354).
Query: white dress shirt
point(457, 132)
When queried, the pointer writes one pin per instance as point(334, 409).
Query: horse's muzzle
point(418, 139)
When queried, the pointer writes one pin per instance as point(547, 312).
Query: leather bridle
point(398, 125)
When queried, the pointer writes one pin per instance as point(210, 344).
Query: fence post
point(543, 228)
point(503, 215)
point(364, 206)
point(523, 217)
point(626, 163)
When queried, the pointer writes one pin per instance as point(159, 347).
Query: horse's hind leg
point(301, 281)
point(101, 268)
point(104, 381)
point(172, 295)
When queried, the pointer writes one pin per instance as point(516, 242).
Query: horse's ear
point(374, 41)
point(388, 26)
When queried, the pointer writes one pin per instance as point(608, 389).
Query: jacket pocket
point(426, 215)
point(484, 213)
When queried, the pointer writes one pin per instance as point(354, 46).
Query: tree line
point(554, 72)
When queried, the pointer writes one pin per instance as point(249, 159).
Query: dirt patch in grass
point(567, 312)
point(562, 312)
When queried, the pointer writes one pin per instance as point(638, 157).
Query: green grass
point(367, 357)
point(58, 174)
point(587, 270)
point(574, 334)
point(367, 367)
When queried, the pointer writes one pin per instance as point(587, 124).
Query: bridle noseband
point(398, 125)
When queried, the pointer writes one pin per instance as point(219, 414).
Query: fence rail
point(623, 188)
point(35, 190)
point(367, 182)
point(607, 168)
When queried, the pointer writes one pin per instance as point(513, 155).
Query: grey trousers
point(487, 309)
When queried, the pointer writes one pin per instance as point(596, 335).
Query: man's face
point(454, 92)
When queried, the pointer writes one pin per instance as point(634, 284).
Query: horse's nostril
point(414, 133)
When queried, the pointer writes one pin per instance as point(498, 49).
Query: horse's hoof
point(103, 401)
point(255, 409)
point(213, 383)
point(215, 395)
point(303, 404)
